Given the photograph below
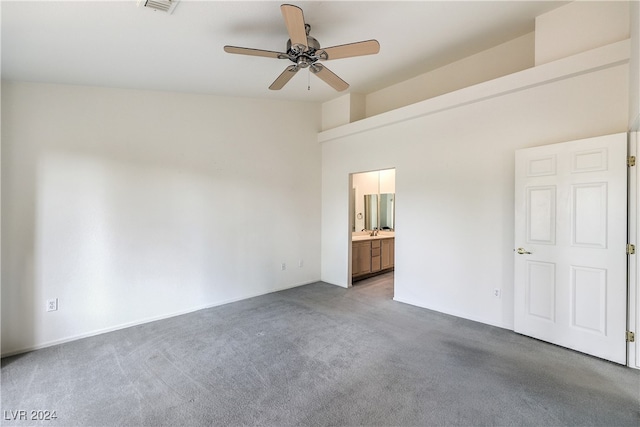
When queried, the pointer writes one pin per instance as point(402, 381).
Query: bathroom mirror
point(370, 211)
point(386, 211)
point(379, 212)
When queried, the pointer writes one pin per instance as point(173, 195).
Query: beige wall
point(580, 26)
point(454, 187)
point(507, 58)
point(131, 205)
point(342, 110)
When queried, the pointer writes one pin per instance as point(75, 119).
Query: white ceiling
point(117, 44)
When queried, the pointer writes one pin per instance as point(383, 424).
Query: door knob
point(522, 251)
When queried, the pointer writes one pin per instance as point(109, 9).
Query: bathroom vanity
point(371, 255)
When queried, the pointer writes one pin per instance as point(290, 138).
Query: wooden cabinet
point(361, 258)
point(387, 253)
point(370, 257)
point(375, 256)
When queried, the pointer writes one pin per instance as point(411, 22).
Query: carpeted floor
point(317, 355)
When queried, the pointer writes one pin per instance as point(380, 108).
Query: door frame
point(633, 273)
point(350, 222)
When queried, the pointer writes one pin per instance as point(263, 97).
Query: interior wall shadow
point(127, 219)
point(19, 239)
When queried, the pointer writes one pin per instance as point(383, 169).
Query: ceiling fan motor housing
point(303, 58)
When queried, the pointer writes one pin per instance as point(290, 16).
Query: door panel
point(589, 215)
point(541, 290)
point(588, 303)
point(571, 223)
point(541, 215)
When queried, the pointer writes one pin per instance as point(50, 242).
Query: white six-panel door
point(571, 236)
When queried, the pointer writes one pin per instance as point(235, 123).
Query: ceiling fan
point(305, 51)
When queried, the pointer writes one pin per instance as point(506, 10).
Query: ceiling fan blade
point(255, 52)
point(368, 47)
point(283, 78)
point(329, 77)
point(294, 20)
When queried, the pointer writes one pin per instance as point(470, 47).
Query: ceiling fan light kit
point(305, 51)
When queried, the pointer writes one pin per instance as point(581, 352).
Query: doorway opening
point(372, 222)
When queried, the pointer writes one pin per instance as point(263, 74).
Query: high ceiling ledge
point(586, 62)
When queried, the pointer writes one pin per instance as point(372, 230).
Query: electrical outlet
point(283, 267)
point(496, 293)
point(52, 304)
point(301, 263)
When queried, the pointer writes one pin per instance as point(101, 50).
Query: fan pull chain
point(309, 79)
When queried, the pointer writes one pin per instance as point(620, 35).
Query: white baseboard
point(147, 320)
point(456, 314)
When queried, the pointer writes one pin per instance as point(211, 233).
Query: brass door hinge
point(631, 161)
point(631, 337)
point(631, 249)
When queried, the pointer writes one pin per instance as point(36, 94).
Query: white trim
point(586, 62)
point(633, 295)
point(148, 320)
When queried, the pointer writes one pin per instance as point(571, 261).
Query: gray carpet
point(318, 355)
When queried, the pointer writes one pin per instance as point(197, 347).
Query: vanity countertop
point(364, 237)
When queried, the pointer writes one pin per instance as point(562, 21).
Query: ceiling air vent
point(161, 5)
